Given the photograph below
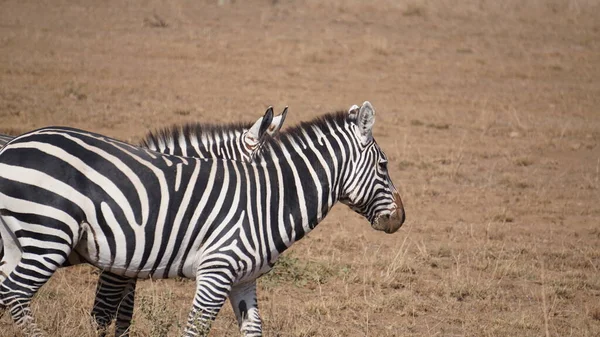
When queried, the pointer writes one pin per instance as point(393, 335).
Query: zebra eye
point(383, 165)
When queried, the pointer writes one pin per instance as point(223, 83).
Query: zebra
point(239, 141)
point(140, 214)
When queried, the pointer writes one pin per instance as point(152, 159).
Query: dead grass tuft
point(439, 126)
point(75, 94)
point(155, 22)
point(301, 273)
point(154, 306)
point(523, 161)
point(413, 9)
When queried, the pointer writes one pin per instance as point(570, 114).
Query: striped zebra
point(139, 213)
point(239, 141)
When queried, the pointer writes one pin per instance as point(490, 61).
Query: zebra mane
point(168, 134)
point(298, 131)
point(320, 122)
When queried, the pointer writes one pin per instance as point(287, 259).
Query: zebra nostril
point(395, 221)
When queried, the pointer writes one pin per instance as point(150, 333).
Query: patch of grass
point(48, 294)
point(439, 126)
point(154, 307)
point(183, 112)
point(405, 164)
point(443, 252)
point(426, 166)
point(431, 192)
point(396, 301)
point(523, 161)
point(496, 235)
point(155, 22)
point(11, 109)
point(464, 50)
point(379, 45)
point(511, 182)
point(503, 218)
point(460, 294)
point(556, 67)
point(414, 10)
point(522, 185)
point(564, 293)
point(301, 273)
point(75, 93)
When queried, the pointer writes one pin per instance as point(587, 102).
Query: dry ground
point(489, 111)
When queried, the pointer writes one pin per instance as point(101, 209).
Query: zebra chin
point(391, 222)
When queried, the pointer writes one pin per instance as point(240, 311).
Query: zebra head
point(368, 189)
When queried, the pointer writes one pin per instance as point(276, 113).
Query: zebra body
point(142, 214)
point(115, 294)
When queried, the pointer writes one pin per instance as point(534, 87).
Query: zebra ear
point(266, 122)
point(365, 121)
point(277, 122)
point(257, 131)
point(353, 112)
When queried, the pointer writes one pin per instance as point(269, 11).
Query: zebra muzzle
point(390, 223)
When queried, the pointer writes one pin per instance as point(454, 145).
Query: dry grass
point(487, 110)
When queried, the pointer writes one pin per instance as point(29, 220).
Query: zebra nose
point(398, 217)
point(395, 221)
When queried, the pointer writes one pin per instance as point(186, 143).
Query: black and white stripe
point(141, 214)
point(115, 294)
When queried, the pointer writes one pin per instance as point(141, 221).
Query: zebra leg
point(125, 310)
point(212, 289)
point(245, 305)
point(17, 290)
point(114, 295)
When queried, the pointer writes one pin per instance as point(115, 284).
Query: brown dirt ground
point(489, 112)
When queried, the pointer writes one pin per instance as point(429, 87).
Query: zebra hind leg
point(212, 289)
point(114, 298)
point(125, 310)
point(245, 305)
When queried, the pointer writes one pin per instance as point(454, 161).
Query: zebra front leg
point(245, 305)
point(16, 291)
point(114, 298)
point(212, 289)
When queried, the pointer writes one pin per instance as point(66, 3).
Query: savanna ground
point(488, 110)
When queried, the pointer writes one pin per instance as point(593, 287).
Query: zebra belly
point(94, 249)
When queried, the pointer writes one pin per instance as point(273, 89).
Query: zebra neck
point(309, 168)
